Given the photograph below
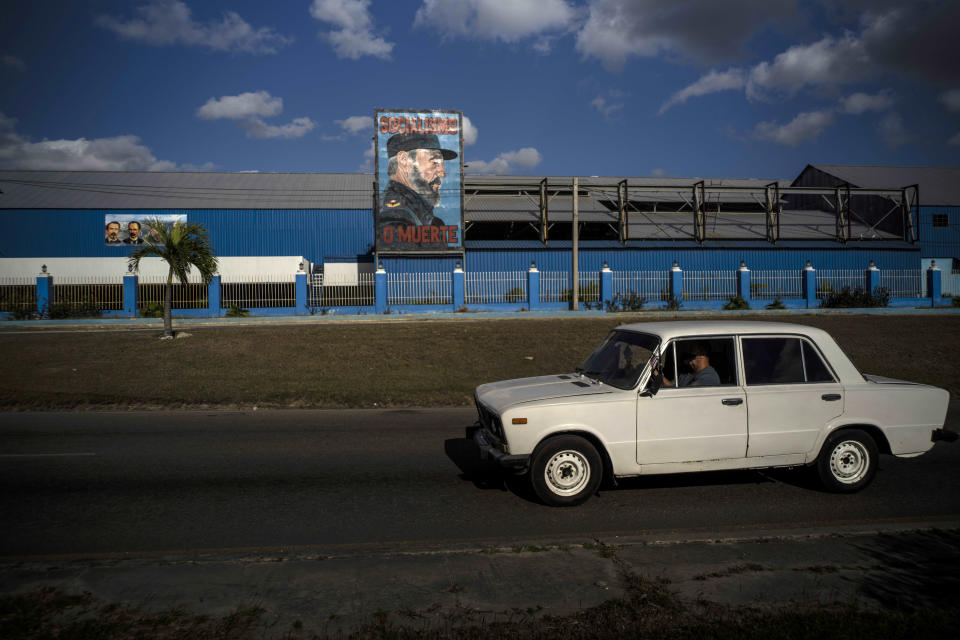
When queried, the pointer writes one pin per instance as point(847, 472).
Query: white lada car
point(673, 397)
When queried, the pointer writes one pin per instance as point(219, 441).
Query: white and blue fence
point(384, 292)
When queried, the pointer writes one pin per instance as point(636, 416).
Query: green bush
point(776, 304)
point(152, 310)
point(236, 311)
point(62, 310)
point(857, 298)
point(515, 295)
point(632, 302)
point(956, 301)
point(737, 303)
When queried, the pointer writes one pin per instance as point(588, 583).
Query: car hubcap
point(849, 462)
point(567, 473)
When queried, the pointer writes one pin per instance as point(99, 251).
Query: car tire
point(847, 461)
point(566, 471)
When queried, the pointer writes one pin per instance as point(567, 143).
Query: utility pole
point(575, 292)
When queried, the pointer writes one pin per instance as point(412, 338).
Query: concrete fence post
point(380, 289)
point(871, 278)
point(301, 294)
point(214, 296)
point(533, 286)
point(676, 282)
point(606, 285)
point(44, 290)
point(934, 284)
point(130, 294)
point(459, 287)
point(810, 285)
point(743, 281)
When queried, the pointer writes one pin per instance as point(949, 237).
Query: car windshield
point(620, 358)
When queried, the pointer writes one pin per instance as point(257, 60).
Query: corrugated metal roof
point(176, 190)
point(938, 185)
point(210, 190)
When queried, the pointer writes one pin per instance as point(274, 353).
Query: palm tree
point(181, 245)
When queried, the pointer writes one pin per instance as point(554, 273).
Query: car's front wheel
point(848, 461)
point(566, 471)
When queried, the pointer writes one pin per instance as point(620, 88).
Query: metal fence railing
point(90, 293)
point(18, 294)
point(332, 292)
point(766, 284)
point(949, 283)
point(651, 285)
point(709, 285)
point(555, 286)
point(192, 295)
point(258, 291)
point(494, 287)
point(831, 280)
point(903, 283)
point(419, 288)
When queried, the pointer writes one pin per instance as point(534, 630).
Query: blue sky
point(740, 89)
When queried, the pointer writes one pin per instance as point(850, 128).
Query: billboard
point(125, 229)
point(419, 173)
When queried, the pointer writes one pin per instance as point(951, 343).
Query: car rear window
point(782, 361)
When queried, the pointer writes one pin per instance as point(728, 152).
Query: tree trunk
point(167, 304)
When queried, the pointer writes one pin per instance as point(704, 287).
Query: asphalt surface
point(334, 515)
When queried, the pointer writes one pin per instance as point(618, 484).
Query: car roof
point(686, 328)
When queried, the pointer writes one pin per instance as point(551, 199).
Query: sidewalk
point(881, 565)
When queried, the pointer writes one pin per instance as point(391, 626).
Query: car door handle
point(830, 397)
point(732, 402)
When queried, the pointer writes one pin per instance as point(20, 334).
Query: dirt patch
point(437, 363)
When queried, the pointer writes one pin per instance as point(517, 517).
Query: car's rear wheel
point(566, 471)
point(847, 461)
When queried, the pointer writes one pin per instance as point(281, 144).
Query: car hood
point(499, 396)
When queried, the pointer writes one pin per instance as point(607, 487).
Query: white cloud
point(827, 62)
point(12, 62)
point(245, 105)
point(608, 107)
point(119, 153)
point(507, 162)
point(858, 103)
point(700, 30)
point(353, 35)
point(892, 130)
point(247, 109)
point(470, 132)
point(169, 22)
point(713, 82)
point(805, 127)
point(950, 99)
point(658, 173)
point(257, 128)
point(355, 124)
point(508, 21)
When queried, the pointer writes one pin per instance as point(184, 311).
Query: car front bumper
point(491, 448)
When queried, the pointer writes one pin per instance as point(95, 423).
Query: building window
point(941, 220)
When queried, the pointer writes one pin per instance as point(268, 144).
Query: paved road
point(92, 483)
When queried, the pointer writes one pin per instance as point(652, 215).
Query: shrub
point(673, 304)
point(62, 310)
point(515, 295)
point(632, 302)
point(152, 310)
point(848, 298)
point(736, 303)
point(776, 304)
point(235, 311)
point(956, 301)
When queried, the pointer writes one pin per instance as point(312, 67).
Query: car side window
point(700, 362)
point(782, 361)
point(816, 370)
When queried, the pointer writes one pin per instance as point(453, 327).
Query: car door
point(694, 423)
point(791, 394)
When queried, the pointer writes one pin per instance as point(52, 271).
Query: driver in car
point(698, 359)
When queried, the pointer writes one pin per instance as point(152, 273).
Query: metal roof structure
point(183, 190)
point(939, 186)
point(637, 208)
